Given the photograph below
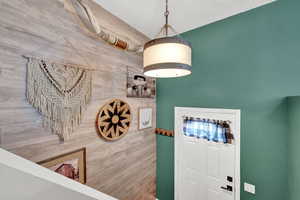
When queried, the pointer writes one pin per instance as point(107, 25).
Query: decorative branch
point(87, 20)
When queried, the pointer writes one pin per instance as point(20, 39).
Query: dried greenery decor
point(113, 120)
point(87, 20)
point(60, 92)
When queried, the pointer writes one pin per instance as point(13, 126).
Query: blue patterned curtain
point(211, 130)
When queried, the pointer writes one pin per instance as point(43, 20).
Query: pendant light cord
point(166, 28)
point(167, 17)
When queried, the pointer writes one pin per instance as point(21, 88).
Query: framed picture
point(71, 165)
point(145, 118)
point(140, 86)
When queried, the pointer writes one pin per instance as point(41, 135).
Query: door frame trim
point(179, 112)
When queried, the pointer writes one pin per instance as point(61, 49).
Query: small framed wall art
point(145, 118)
point(140, 86)
point(71, 165)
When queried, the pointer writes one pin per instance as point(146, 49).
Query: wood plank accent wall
point(125, 168)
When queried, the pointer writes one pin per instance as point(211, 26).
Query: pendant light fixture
point(168, 56)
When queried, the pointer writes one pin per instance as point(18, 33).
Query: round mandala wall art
point(113, 119)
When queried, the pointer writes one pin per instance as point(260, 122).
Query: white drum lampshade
point(167, 57)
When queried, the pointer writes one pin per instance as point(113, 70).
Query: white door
point(206, 170)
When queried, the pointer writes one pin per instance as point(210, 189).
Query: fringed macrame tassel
point(62, 109)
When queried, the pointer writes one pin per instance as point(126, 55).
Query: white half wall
point(21, 179)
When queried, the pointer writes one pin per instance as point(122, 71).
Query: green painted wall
point(294, 147)
point(250, 62)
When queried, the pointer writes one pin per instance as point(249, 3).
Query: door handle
point(228, 188)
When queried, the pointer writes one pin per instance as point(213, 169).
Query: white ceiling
point(147, 16)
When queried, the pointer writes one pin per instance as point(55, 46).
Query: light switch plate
point(249, 188)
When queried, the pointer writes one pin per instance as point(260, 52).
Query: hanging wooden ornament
point(113, 119)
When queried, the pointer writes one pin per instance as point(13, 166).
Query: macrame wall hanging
point(113, 119)
point(60, 92)
point(87, 20)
